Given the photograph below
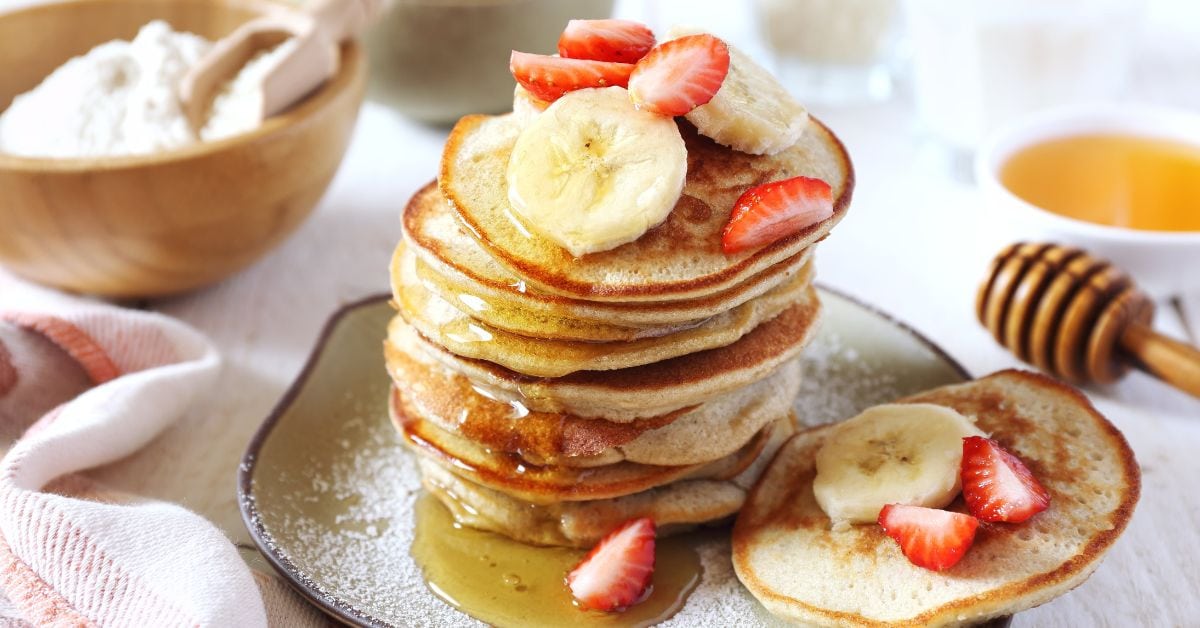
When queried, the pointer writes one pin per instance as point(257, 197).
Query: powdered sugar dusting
point(720, 599)
point(349, 521)
point(859, 359)
point(838, 382)
point(341, 509)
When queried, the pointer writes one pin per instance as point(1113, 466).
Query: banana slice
point(751, 112)
point(526, 106)
point(891, 454)
point(591, 172)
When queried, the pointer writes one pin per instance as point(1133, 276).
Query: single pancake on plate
point(786, 552)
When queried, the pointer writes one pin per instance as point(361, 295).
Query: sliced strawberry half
point(623, 41)
point(548, 78)
point(680, 75)
point(997, 486)
point(616, 573)
point(771, 211)
point(930, 538)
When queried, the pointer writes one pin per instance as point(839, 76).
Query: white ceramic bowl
point(1162, 262)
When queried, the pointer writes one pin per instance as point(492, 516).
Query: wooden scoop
point(312, 61)
point(1078, 317)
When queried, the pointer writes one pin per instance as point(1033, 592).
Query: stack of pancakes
point(551, 398)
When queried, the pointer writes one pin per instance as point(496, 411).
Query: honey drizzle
point(504, 582)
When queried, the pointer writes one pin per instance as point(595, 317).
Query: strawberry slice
point(616, 573)
point(930, 538)
point(771, 211)
point(680, 75)
point(997, 486)
point(622, 41)
point(548, 78)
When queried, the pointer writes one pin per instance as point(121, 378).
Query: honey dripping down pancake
point(686, 436)
point(625, 395)
point(550, 484)
point(675, 506)
point(448, 327)
point(580, 342)
point(452, 264)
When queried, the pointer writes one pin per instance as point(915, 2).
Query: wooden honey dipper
point(1078, 317)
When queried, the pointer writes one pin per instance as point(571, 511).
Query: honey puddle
point(507, 583)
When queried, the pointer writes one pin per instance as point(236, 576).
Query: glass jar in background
point(978, 64)
point(438, 60)
point(834, 52)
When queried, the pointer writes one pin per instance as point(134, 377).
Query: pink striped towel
point(104, 382)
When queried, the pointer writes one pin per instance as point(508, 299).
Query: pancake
point(787, 556)
point(447, 326)
point(625, 395)
point(549, 484)
point(718, 427)
point(674, 507)
point(679, 259)
point(710, 431)
point(453, 265)
point(452, 402)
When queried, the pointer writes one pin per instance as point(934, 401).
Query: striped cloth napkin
point(89, 384)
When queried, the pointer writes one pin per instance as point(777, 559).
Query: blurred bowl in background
point(833, 52)
point(1164, 164)
point(980, 64)
point(168, 222)
point(438, 60)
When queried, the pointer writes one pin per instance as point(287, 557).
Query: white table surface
point(913, 244)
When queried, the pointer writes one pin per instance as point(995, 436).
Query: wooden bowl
point(169, 222)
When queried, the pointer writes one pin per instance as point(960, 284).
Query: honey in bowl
point(1117, 180)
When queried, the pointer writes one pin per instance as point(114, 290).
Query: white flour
point(121, 98)
point(238, 106)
